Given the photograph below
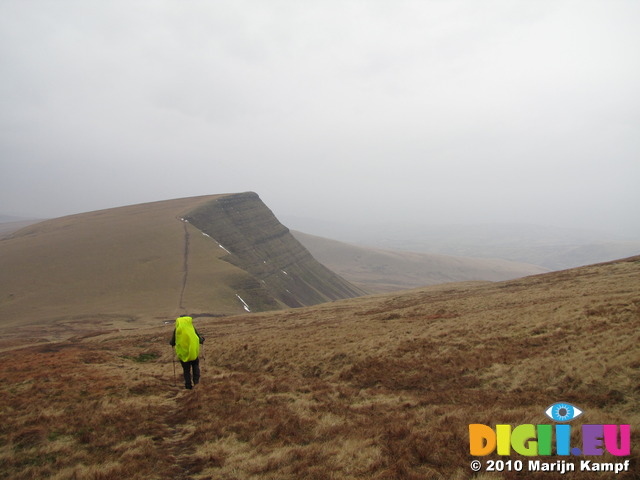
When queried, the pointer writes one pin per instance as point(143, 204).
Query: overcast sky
point(433, 111)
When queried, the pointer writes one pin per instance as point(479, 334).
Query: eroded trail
point(185, 265)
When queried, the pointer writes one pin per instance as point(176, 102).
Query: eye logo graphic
point(563, 412)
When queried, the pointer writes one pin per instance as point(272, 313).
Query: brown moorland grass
point(380, 387)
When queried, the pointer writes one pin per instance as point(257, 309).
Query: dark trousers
point(187, 367)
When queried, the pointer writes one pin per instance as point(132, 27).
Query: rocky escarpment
point(283, 272)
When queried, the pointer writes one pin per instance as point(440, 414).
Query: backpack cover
point(187, 341)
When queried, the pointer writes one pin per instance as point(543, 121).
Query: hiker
point(187, 341)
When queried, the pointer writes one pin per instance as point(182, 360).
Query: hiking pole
point(173, 358)
point(203, 358)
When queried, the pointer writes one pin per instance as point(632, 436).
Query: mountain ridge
point(273, 256)
point(149, 261)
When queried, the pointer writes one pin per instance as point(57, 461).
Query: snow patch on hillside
point(246, 307)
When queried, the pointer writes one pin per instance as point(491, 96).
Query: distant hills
point(382, 270)
point(554, 248)
point(218, 254)
point(11, 218)
point(11, 224)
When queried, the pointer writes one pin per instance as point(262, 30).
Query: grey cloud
point(434, 111)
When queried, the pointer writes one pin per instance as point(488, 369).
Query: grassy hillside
point(143, 262)
point(111, 262)
point(380, 387)
point(378, 270)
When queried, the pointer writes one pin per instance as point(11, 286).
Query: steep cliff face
point(143, 263)
point(282, 270)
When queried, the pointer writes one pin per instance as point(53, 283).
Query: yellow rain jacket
point(187, 340)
